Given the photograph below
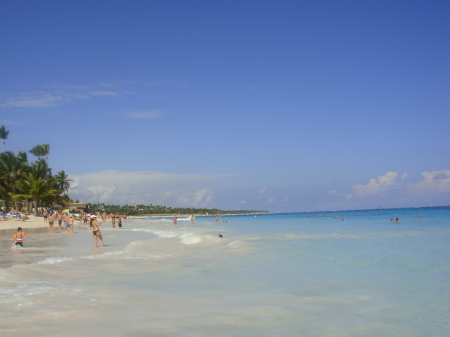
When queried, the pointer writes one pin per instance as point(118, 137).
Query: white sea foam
point(165, 234)
point(188, 218)
point(191, 238)
point(54, 260)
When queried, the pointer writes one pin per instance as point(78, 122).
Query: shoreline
point(38, 222)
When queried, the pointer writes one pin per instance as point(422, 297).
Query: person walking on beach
point(70, 222)
point(66, 221)
point(51, 221)
point(175, 220)
point(45, 214)
point(96, 231)
point(60, 219)
point(18, 237)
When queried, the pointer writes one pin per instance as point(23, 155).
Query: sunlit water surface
point(350, 273)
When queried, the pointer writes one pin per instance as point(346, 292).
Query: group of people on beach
point(66, 221)
point(14, 214)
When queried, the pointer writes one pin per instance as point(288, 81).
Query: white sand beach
point(34, 222)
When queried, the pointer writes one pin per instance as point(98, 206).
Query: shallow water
point(352, 273)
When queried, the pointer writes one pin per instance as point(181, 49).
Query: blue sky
point(268, 105)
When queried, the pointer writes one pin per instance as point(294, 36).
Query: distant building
point(76, 207)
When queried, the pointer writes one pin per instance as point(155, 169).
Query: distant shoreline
point(188, 215)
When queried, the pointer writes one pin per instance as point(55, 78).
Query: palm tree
point(37, 150)
point(41, 169)
point(11, 170)
point(15, 198)
point(22, 155)
point(45, 151)
point(62, 181)
point(38, 189)
point(41, 151)
point(3, 135)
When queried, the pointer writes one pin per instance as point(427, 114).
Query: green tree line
point(161, 210)
point(25, 184)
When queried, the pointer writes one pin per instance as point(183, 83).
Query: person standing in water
point(70, 222)
point(175, 220)
point(60, 220)
point(96, 231)
point(18, 237)
point(51, 221)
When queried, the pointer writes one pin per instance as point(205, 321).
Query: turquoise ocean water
point(349, 273)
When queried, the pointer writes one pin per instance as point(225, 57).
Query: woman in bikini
point(96, 231)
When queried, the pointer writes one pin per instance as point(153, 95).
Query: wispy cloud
point(262, 191)
point(144, 114)
point(275, 200)
point(433, 182)
point(8, 122)
point(134, 187)
point(38, 100)
point(104, 93)
point(60, 94)
point(199, 198)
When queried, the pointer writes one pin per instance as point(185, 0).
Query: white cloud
point(148, 187)
point(196, 199)
point(433, 182)
point(274, 200)
point(376, 186)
